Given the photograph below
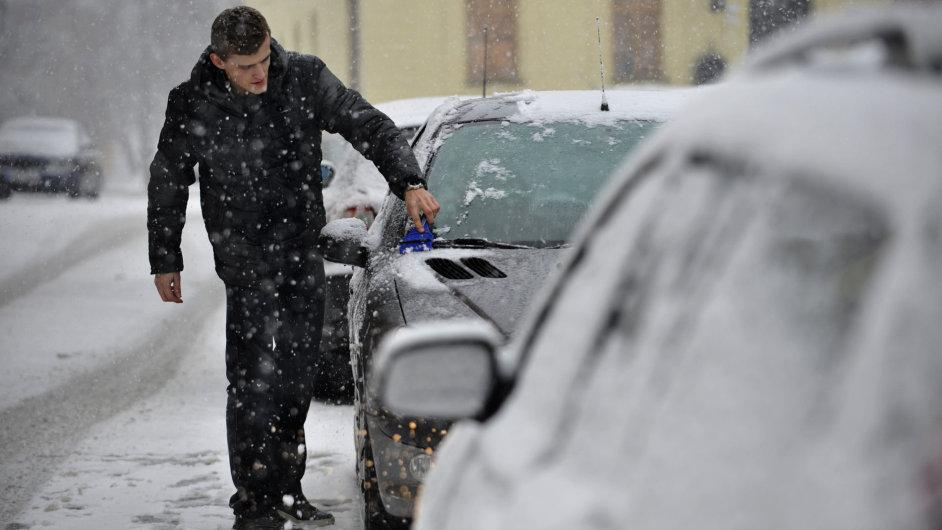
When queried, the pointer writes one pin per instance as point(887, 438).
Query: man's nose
point(258, 72)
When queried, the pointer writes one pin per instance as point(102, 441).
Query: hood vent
point(449, 269)
point(452, 270)
point(483, 268)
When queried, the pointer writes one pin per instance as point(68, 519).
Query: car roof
point(878, 134)
point(565, 105)
point(410, 112)
point(531, 106)
point(910, 35)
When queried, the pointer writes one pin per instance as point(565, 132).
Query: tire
point(5, 190)
point(91, 186)
point(74, 186)
point(84, 184)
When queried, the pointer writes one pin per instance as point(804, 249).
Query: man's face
point(247, 73)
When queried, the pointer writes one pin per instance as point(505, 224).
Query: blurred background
point(109, 64)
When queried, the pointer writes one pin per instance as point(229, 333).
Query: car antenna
point(484, 90)
point(598, 29)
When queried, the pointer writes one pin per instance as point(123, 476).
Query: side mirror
point(344, 241)
point(445, 370)
point(327, 173)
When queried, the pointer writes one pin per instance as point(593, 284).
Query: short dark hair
point(238, 31)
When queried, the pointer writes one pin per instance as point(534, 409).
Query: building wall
point(828, 6)
point(690, 29)
point(411, 48)
point(318, 27)
point(559, 43)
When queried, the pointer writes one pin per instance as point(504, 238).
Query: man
point(251, 117)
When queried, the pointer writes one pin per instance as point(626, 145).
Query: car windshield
point(524, 183)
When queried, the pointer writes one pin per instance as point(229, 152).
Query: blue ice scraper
point(415, 241)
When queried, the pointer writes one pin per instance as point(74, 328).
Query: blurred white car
point(747, 332)
point(48, 154)
point(356, 189)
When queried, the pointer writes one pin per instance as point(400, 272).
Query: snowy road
point(111, 402)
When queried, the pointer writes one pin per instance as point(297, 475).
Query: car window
point(818, 255)
point(746, 378)
point(524, 183)
point(667, 272)
point(394, 217)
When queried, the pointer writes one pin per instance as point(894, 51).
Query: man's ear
point(217, 61)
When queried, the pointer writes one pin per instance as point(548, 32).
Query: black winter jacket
point(259, 162)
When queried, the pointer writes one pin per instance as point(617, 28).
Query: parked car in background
point(48, 154)
point(354, 189)
point(513, 174)
point(746, 334)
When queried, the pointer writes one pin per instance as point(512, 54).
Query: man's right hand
point(169, 287)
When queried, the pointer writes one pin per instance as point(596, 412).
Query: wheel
point(5, 190)
point(91, 185)
point(74, 186)
point(84, 184)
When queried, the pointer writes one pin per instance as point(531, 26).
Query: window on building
point(708, 68)
point(500, 18)
point(637, 40)
point(768, 16)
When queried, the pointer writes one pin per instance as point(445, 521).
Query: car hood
point(494, 284)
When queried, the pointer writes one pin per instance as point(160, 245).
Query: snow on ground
point(163, 463)
point(112, 402)
point(75, 288)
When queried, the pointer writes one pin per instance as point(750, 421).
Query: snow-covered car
point(48, 154)
point(746, 333)
point(513, 174)
point(353, 188)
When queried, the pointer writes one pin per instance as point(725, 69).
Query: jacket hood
point(213, 83)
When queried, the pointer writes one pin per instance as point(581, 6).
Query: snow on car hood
point(428, 295)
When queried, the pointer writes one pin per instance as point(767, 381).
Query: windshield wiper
point(564, 244)
point(470, 242)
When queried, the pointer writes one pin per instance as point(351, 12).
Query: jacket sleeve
point(171, 174)
point(344, 111)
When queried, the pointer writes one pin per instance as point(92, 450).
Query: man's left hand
point(420, 201)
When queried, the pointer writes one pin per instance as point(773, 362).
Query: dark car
point(514, 174)
point(353, 187)
point(746, 334)
point(48, 154)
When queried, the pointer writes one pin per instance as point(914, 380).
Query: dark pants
point(273, 329)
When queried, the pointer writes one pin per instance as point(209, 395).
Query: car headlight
point(400, 469)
